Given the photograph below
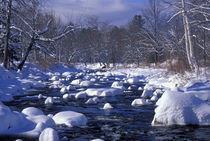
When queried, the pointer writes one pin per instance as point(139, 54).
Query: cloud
point(114, 11)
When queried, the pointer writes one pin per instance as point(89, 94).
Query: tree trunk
point(6, 46)
point(20, 66)
point(188, 43)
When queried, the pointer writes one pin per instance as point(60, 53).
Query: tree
point(185, 8)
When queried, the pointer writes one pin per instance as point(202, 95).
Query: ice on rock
point(118, 85)
point(81, 95)
point(107, 106)
point(49, 134)
point(76, 82)
point(179, 108)
point(93, 100)
point(70, 118)
point(32, 111)
point(49, 100)
point(86, 83)
point(139, 102)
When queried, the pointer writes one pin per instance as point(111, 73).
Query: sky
point(117, 12)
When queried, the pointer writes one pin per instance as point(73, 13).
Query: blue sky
point(117, 12)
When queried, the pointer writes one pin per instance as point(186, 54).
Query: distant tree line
point(165, 30)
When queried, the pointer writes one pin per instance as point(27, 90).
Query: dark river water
point(123, 122)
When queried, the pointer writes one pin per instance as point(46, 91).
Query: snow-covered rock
point(139, 102)
point(70, 88)
point(107, 106)
point(63, 90)
point(140, 89)
point(158, 92)
point(118, 85)
point(103, 92)
point(81, 95)
point(97, 140)
point(76, 82)
point(54, 78)
point(70, 118)
point(86, 83)
point(49, 100)
point(132, 80)
point(154, 98)
point(179, 108)
point(49, 134)
point(66, 96)
point(93, 100)
point(32, 111)
point(147, 93)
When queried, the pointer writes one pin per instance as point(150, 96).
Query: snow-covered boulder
point(54, 78)
point(139, 102)
point(179, 108)
point(66, 74)
point(103, 92)
point(149, 87)
point(118, 85)
point(93, 80)
point(132, 80)
point(86, 83)
point(107, 106)
point(93, 100)
point(154, 98)
point(140, 89)
point(70, 88)
point(63, 90)
point(81, 95)
point(32, 111)
point(76, 82)
point(70, 118)
point(158, 92)
point(49, 100)
point(147, 93)
point(111, 92)
point(49, 134)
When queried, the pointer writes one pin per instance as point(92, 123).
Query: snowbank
point(179, 108)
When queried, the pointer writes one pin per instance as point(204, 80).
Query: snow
point(93, 100)
point(49, 134)
point(63, 90)
point(107, 106)
point(179, 108)
point(81, 95)
point(103, 92)
point(147, 93)
point(76, 82)
point(70, 118)
point(49, 100)
point(86, 83)
point(118, 85)
point(139, 102)
point(32, 111)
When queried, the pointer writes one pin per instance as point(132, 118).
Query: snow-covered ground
point(181, 99)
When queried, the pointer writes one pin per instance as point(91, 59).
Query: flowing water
point(123, 122)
